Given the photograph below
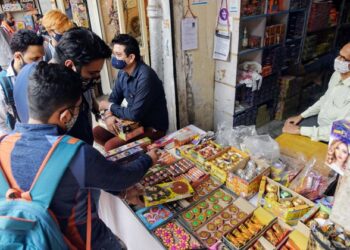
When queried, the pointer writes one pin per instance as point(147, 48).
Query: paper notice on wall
point(222, 46)
point(199, 2)
point(233, 5)
point(189, 33)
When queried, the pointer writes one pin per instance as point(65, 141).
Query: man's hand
point(133, 196)
point(103, 105)
point(290, 128)
point(111, 123)
point(154, 155)
point(294, 120)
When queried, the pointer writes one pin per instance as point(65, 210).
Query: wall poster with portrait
point(78, 9)
point(339, 147)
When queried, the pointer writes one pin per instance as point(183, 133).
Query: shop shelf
point(246, 51)
point(245, 18)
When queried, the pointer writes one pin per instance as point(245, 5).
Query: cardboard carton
point(289, 215)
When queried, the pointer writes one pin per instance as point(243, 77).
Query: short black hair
point(51, 87)
point(82, 46)
point(130, 43)
point(22, 39)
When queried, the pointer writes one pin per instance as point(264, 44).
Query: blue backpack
point(25, 219)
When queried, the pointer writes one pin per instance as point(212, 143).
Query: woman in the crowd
point(55, 23)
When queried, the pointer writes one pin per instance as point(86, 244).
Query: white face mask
point(70, 124)
point(341, 66)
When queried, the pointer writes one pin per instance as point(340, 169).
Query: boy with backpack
point(42, 169)
point(27, 47)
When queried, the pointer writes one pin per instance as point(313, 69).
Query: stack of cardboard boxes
point(290, 88)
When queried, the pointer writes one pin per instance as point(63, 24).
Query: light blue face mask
point(118, 64)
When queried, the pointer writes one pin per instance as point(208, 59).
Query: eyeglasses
point(74, 109)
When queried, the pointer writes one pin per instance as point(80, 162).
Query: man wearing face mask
point(143, 91)
point(83, 51)
point(27, 47)
point(27, 148)
point(316, 121)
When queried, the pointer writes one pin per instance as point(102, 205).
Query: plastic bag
point(261, 146)
point(249, 73)
point(227, 135)
point(286, 168)
point(313, 180)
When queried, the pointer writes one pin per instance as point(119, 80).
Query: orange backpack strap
point(6, 179)
point(88, 223)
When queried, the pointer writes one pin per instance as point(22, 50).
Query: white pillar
point(154, 11)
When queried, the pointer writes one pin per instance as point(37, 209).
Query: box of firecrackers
point(213, 231)
point(127, 155)
point(143, 143)
point(282, 202)
point(205, 151)
point(274, 236)
point(175, 237)
point(154, 216)
point(167, 192)
point(206, 187)
point(245, 181)
point(206, 209)
point(190, 200)
point(227, 161)
point(249, 229)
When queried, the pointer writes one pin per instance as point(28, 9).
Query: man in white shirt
point(27, 47)
point(332, 106)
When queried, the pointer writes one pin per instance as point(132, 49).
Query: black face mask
point(11, 23)
point(90, 83)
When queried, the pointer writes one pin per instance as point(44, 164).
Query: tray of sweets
point(197, 215)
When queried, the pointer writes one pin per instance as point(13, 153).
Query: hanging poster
point(189, 33)
point(222, 45)
point(80, 13)
point(222, 36)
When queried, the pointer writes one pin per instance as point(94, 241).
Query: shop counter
point(124, 223)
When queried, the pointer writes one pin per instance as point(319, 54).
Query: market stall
point(203, 194)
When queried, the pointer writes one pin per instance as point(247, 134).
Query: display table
point(294, 144)
point(124, 223)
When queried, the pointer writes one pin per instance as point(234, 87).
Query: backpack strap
point(4, 185)
point(7, 87)
point(52, 169)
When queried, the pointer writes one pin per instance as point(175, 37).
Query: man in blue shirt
point(84, 52)
point(49, 118)
point(143, 91)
